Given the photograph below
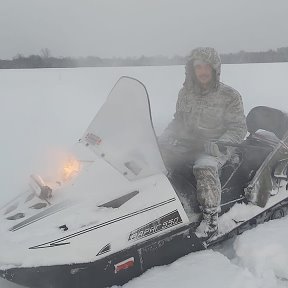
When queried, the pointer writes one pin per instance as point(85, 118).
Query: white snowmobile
point(116, 212)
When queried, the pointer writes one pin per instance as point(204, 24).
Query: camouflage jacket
point(214, 114)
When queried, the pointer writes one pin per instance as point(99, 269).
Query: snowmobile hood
point(92, 226)
point(206, 54)
point(117, 194)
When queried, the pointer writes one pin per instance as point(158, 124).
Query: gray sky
point(108, 28)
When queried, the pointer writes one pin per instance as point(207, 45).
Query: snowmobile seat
point(267, 127)
point(268, 119)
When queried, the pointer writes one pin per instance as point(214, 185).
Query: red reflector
point(126, 264)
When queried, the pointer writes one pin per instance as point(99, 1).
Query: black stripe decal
point(48, 212)
point(118, 202)
point(52, 243)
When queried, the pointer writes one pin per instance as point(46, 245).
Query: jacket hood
point(205, 54)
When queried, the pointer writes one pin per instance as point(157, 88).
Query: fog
point(108, 28)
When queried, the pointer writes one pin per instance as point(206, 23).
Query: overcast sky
point(108, 28)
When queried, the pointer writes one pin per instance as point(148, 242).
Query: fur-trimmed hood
point(208, 55)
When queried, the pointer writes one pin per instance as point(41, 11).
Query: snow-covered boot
point(208, 226)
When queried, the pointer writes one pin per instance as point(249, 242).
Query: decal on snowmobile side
point(48, 212)
point(118, 202)
point(160, 224)
point(104, 250)
point(57, 241)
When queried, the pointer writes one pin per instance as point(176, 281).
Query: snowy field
point(44, 112)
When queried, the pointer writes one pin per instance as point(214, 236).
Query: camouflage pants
point(206, 171)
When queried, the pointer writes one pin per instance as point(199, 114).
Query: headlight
point(70, 169)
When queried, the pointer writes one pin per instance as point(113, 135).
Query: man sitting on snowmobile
point(207, 112)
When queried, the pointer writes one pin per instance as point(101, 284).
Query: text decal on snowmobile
point(157, 225)
point(92, 228)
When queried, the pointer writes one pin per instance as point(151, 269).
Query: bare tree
point(45, 53)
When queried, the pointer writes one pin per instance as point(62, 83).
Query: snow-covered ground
point(44, 112)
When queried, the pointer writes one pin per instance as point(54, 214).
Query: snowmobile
point(116, 211)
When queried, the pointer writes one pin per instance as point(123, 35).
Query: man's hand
point(212, 149)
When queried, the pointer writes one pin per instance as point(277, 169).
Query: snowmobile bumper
point(115, 269)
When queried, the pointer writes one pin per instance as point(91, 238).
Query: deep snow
point(46, 111)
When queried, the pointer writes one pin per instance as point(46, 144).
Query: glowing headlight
point(70, 169)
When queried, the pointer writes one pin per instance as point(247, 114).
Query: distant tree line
point(270, 56)
point(46, 60)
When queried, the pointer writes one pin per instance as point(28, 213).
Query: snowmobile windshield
point(122, 132)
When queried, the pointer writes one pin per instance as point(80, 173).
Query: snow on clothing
point(214, 114)
point(205, 170)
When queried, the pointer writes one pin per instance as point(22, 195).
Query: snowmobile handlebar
point(241, 145)
point(221, 144)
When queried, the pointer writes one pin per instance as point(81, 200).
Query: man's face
point(203, 72)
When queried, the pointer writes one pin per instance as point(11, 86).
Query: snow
point(241, 212)
point(258, 258)
point(205, 269)
point(264, 250)
point(44, 112)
